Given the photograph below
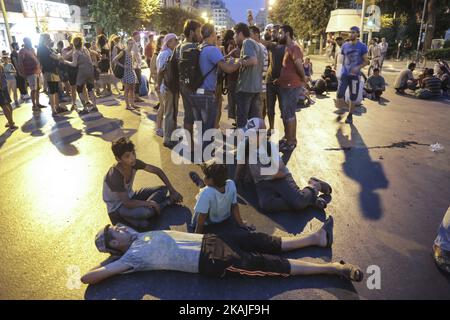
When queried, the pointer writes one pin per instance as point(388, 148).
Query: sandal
point(196, 179)
point(325, 188)
point(328, 228)
point(131, 108)
point(288, 147)
point(352, 272)
point(321, 203)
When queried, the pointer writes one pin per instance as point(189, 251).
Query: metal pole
point(5, 18)
point(363, 13)
point(421, 28)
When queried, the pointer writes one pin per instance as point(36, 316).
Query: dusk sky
point(239, 8)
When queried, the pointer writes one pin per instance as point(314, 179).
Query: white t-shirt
point(215, 204)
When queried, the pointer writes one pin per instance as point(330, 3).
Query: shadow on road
point(367, 173)
point(108, 129)
point(34, 125)
point(62, 136)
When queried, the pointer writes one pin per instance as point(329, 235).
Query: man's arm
point(175, 196)
point(201, 218)
point(237, 215)
point(299, 68)
point(229, 67)
point(102, 273)
point(132, 203)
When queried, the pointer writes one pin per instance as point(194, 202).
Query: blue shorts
point(288, 103)
point(348, 80)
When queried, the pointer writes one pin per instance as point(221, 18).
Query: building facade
point(30, 18)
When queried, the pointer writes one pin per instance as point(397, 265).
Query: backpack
point(189, 69)
point(119, 70)
point(171, 74)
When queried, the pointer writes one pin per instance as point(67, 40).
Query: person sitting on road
point(216, 201)
point(441, 246)
point(329, 82)
point(375, 85)
point(277, 192)
point(444, 76)
point(430, 86)
point(127, 206)
point(249, 254)
point(405, 80)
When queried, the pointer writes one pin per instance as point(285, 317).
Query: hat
point(254, 124)
point(269, 27)
point(5, 55)
point(102, 240)
point(355, 29)
point(167, 38)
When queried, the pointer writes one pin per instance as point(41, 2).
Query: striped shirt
point(265, 66)
point(434, 85)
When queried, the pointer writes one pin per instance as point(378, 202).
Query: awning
point(342, 20)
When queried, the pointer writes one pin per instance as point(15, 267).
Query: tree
point(126, 15)
point(172, 19)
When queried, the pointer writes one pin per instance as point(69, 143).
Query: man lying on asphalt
point(251, 254)
point(126, 206)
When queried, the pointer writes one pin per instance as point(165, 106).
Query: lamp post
point(421, 30)
point(5, 18)
point(363, 14)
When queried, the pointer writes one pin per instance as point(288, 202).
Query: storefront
point(39, 16)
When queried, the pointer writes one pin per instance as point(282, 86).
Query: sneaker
point(349, 119)
point(159, 132)
point(170, 145)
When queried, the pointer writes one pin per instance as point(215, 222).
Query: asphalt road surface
point(390, 193)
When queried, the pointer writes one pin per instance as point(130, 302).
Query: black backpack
point(189, 69)
point(119, 71)
point(171, 74)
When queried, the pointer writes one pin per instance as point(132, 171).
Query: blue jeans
point(248, 106)
point(284, 195)
point(204, 109)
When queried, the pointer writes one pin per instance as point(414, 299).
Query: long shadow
point(108, 129)
point(63, 135)
point(35, 124)
point(367, 173)
point(5, 137)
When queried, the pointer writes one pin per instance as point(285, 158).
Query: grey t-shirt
point(250, 78)
point(115, 183)
point(164, 250)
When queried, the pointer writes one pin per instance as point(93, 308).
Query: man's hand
point(154, 205)
point(175, 197)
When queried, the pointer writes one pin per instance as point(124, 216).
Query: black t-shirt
point(14, 59)
point(48, 64)
point(104, 63)
point(276, 55)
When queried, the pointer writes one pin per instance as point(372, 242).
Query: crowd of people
point(255, 70)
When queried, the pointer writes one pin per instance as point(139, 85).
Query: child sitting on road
point(217, 200)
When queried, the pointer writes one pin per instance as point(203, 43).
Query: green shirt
point(250, 78)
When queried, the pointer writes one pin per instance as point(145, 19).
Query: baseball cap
point(102, 239)
point(355, 29)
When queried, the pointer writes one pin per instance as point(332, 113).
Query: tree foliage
point(172, 19)
point(126, 15)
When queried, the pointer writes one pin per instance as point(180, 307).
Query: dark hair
point(267, 36)
point(429, 72)
point(339, 39)
point(207, 30)
point(229, 36)
point(217, 172)
point(121, 146)
point(444, 69)
point(255, 30)
point(242, 27)
point(14, 45)
point(286, 28)
point(190, 25)
point(60, 43)
point(163, 32)
point(77, 42)
point(376, 70)
point(411, 65)
point(87, 45)
point(102, 40)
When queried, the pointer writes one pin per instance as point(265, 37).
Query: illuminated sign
point(41, 8)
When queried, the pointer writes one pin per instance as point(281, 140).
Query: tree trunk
point(430, 23)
